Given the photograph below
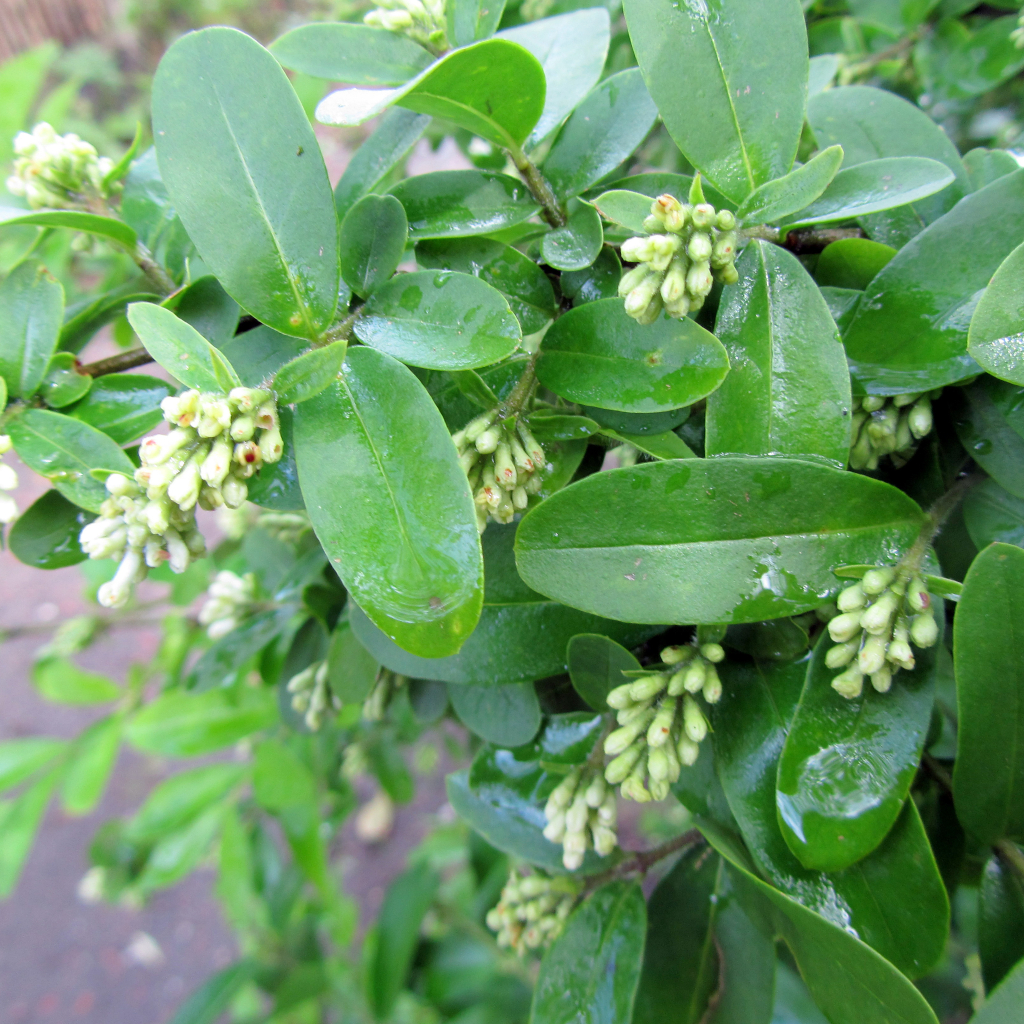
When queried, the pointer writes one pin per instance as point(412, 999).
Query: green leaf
point(988, 777)
point(208, 308)
point(307, 375)
point(31, 310)
point(179, 800)
point(1000, 921)
point(64, 451)
point(280, 778)
point(996, 336)
point(783, 348)
point(22, 77)
point(742, 125)
point(90, 765)
point(83, 319)
point(596, 664)
point(181, 350)
point(124, 406)
point(851, 263)
point(792, 192)
point(22, 758)
point(182, 724)
point(590, 973)
point(990, 514)
point(214, 996)
point(373, 237)
point(175, 855)
point(985, 165)
point(351, 669)
point(716, 540)
point(390, 504)
point(471, 20)
point(520, 636)
point(62, 682)
point(260, 353)
point(397, 132)
point(989, 421)
point(446, 204)
point(598, 356)
point(355, 54)
point(620, 206)
point(571, 49)
point(525, 286)
point(244, 170)
point(45, 535)
point(577, 244)
point(440, 320)
point(561, 428)
point(659, 446)
point(507, 716)
point(681, 964)
point(63, 383)
point(835, 801)
point(469, 87)
point(75, 220)
point(220, 663)
point(1003, 1005)
point(600, 133)
point(910, 331)
point(406, 901)
point(19, 821)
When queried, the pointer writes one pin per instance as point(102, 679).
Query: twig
point(521, 392)
point(115, 364)
point(802, 241)
point(154, 271)
point(1010, 854)
point(937, 516)
point(640, 862)
point(554, 213)
point(342, 330)
point(938, 771)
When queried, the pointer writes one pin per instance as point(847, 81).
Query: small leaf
point(62, 682)
point(20, 819)
point(22, 758)
point(792, 192)
point(90, 765)
point(31, 309)
point(620, 206)
point(280, 778)
point(220, 663)
point(1003, 1005)
point(351, 669)
point(990, 514)
point(598, 281)
point(1000, 921)
point(124, 406)
point(45, 535)
point(214, 996)
point(851, 263)
point(988, 421)
point(472, 20)
point(75, 220)
point(63, 383)
point(596, 664)
point(561, 428)
point(307, 375)
point(577, 244)
point(208, 308)
point(996, 337)
point(373, 237)
point(507, 716)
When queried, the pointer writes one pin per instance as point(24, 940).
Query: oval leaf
point(507, 716)
point(996, 336)
point(307, 375)
point(31, 311)
point(75, 220)
point(373, 237)
point(596, 664)
point(792, 192)
point(123, 405)
point(45, 535)
point(577, 244)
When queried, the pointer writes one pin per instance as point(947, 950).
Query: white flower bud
point(694, 722)
point(646, 687)
point(637, 250)
point(621, 696)
point(872, 655)
point(850, 683)
point(923, 629)
point(8, 477)
point(844, 627)
point(8, 509)
point(712, 689)
point(696, 673)
point(688, 751)
point(621, 766)
point(876, 580)
point(215, 466)
point(183, 490)
point(841, 655)
point(878, 617)
point(882, 679)
point(234, 491)
point(266, 416)
point(851, 598)
point(660, 729)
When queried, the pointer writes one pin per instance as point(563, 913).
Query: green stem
point(553, 211)
point(144, 260)
point(936, 518)
point(117, 364)
point(520, 394)
point(342, 330)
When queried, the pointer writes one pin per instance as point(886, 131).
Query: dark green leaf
point(174, 856)
point(1003, 1005)
point(741, 126)
point(31, 310)
point(910, 331)
point(45, 535)
point(717, 540)
point(19, 820)
point(84, 318)
point(355, 54)
point(990, 514)
point(851, 263)
point(988, 778)
point(792, 192)
point(471, 20)
point(123, 405)
point(352, 670)
point(63, 383)
point(445, 204)
point(258, 354)
point(439, 319)
point(391, 505)
point(996, 337)
point(659, 446)
point(561, 428)
point(507, 716)
point(373, 237)
point(475, 388)
point(277, 486)
point(575, 245)
point(214, 996)
point(22, 758)
point(307, 375)
point(208, 308)
point(595, 665)
point(590, 973)
point(64, 450)
point(598, 281)
point(220, 663)
point(244, 170)
point(75, 220)
point(793, 1003)
point(598, 356)
point(90, 765)
point(1000, 921)
point(989, 420)
point(63, 682)
point(783, 348)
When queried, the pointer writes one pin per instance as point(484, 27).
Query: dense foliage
point(669, 453)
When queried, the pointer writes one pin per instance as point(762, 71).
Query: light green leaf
point(1003, 1004)
point(792, 192)
point(214, 996)
point(31, 310)
point(281, 779)
point(90, 765)
point(175, 855)
point(63, 682)
point(307, 375)
point(19, 821)
point(176, 801)
point(620, 206)
point(75, 220)
point(472, 20)
point(996, 337)
point(63, 383)
point(22, 758)
point(851, 263)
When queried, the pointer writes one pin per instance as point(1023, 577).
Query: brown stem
point(153, 270)
point(938, 771)
point(553, 211)
point(640, 862)
point(1011, 856)
point(802, 241)
point(937, 516)
point(116, 364)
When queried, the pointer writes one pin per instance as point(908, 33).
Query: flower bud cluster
point(581, 813)
point(8, 482)
point(532, 909)
point(231, 598)
point(879, 617)
point(354, 761)
point(384, 688)
point(57, 171)
point(688, 248)
point(312, 695)
point(889, 426)
point(503, 462)
point(204, 460)
point(661, 722)
point(421, 20)
point(284, 526)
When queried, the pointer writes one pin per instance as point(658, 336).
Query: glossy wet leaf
point(260, 353)
point(355, 54)
point(681, 964)
point(576, 244)
point(63, 384)
point(600, 133)
point(1003, 1004)
point(996, 337)
point(893, 899)
point(989, 420)
point(439, 319)
point(521, 634)
point(590, 973)
point(598, 281)
point(717, 540)
point(390, 505)
point(307, 375)
point(469, 87)
point(277, 486)
point(992, 514)
point(373, 237)
point(91, 765)
point(31, 310)
point(851, 263)
point(988, 777)
point(446, 204)
point(372, 163)
point(985, 165)
point(244, 171)
point(525, 286)
point(45, 535)
point(792, 192)
point(507, 716)
point(620, 206)
point(571, 49)
point(596, 664)
point(847, 765)
point(668, 445)
point(742, 127)
point(64, 450)
point(181, 350)
point(783, 348)
point(352, 670)
point(84, 318)
point(75, 220)
point(598, 356)
point(63, 682)
point(20, 819)
point(910, 331)
point(208, 308)
point(1000, 920)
